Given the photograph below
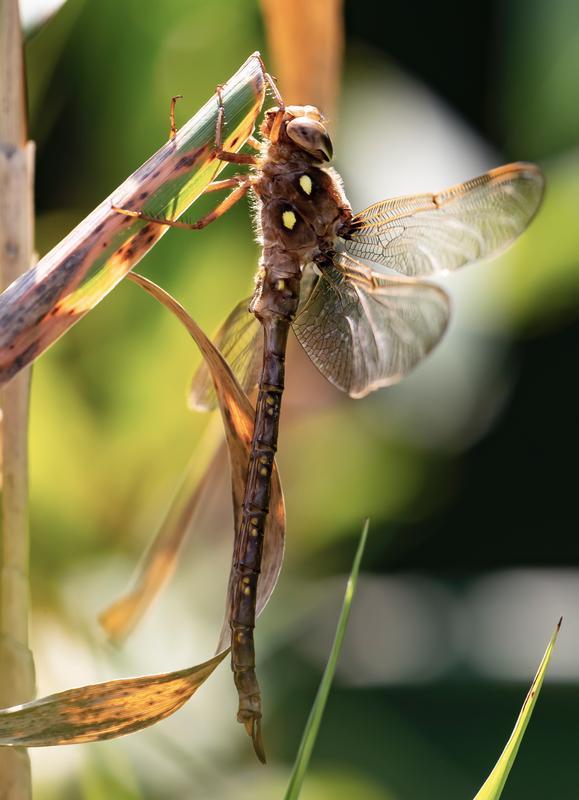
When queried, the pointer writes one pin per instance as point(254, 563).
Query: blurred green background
point(467, 470)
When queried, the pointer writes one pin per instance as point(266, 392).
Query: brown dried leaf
point(102, 710)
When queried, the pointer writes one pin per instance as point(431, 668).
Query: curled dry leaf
point(238, 416)
point(106, 710)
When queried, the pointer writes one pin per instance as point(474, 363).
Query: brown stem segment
point(249, 545)
point(17, 684)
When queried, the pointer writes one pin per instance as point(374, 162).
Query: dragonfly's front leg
point(242, 184)
point(220, 153)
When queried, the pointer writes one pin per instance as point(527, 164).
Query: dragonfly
point(364, 327)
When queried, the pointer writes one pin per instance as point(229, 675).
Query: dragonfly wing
point(434, 233)
point(240, 341)
point(364, 330)
point(308, 283)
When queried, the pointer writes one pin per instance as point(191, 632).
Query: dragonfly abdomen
point(275, 305)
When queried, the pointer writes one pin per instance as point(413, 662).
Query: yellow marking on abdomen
point(289, 220)
point(306, 184)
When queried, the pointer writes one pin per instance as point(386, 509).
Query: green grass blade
point(87, 264)
point(315, 718)
point(494, 784)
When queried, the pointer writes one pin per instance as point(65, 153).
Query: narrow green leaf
point(315, 718)
point(494, 784)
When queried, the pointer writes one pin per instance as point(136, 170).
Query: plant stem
point(17, 682)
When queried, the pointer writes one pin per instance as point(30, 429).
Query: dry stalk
point(17, 682)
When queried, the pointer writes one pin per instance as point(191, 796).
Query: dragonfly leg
point(173, 127)
point(271, 80)
point(232, 198)
point(227, 183)
point(254, 143)
point(220, 153)
point(276, 126)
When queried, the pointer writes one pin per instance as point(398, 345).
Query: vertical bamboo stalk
point(17, 682)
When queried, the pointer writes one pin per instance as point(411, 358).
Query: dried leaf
point(102, 710)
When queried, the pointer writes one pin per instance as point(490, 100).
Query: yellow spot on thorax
point(306, 184)
point(289, 219)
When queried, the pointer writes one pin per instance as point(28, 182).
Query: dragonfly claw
point(253, 728)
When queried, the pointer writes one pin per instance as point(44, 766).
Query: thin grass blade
point(317, 712)
point(87, 264)
point(494, 784)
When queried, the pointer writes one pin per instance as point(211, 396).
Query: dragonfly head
point(304, 126)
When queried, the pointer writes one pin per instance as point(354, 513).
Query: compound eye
point(311, 136)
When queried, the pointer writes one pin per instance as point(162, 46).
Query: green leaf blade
point(316, 714)
point(495, 783)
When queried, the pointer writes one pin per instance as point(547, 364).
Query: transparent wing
point(364, 330)
point(308, 283)
point(240, 341)
point(434, 233)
